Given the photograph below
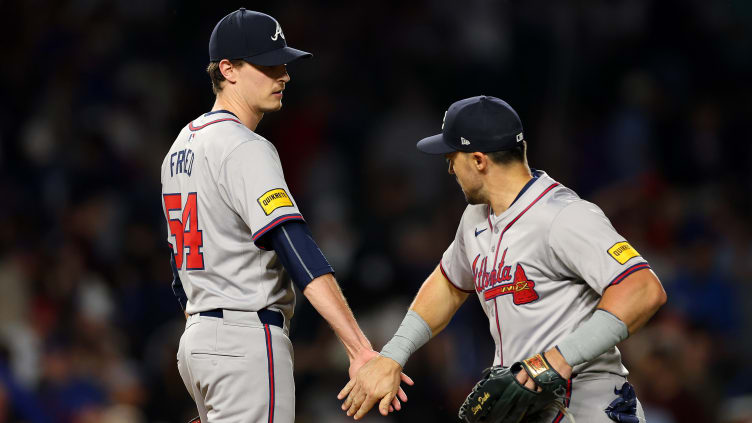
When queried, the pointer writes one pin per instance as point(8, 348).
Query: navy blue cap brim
point(281, 56)
point(435, 145)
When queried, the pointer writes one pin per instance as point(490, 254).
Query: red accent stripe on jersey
point(270, 364)
point(196, 128)
point(496, 256)
point(567, 399)
point(441, 267)
point(498, 327)
point(509, 225)
point(276, 222)
point(639, 266)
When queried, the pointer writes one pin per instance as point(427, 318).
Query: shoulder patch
point(274, 199)
point(622, 252)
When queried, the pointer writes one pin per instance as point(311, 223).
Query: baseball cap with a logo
point(480, 123)
point(252, 36)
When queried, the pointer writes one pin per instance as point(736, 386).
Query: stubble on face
point(472, 195)
point(473, 198)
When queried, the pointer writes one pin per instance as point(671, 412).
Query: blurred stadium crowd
point(642, 107)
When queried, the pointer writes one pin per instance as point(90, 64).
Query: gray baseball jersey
point(222, 189)
point(539, 269)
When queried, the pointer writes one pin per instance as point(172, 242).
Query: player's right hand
point(367, 355)
point(376, 381)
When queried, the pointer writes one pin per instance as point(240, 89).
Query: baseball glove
point(500, 398)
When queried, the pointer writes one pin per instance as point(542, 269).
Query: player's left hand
point(557, 362)
point(358, 361)
point(376, 381)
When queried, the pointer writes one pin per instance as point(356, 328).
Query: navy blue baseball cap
point(252, 36)
point(480, 123)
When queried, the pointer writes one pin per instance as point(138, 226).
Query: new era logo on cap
point(491, 123)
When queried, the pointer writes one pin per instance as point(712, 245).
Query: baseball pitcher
point(239, 240)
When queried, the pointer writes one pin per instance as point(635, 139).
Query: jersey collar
point(536, 174)
point(221, 111)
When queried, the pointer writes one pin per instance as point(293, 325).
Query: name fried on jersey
point(492, 284)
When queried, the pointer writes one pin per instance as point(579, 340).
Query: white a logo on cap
point(464, 141)
point(278, 33)
point(443, 121)
point(519, 137)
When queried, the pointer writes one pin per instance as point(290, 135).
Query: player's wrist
point(558, 362)
point(412, 334)
point(362, 350)
point(389, 362)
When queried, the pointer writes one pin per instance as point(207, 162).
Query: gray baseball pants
point(237, 369)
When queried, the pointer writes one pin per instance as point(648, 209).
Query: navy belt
point(267, 317)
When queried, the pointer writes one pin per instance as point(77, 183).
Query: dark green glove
point(500, 398)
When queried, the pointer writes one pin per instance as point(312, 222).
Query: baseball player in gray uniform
point(239, 241)
point(550, 271)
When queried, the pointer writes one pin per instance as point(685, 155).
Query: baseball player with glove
point(559, 285)
point(239, 241)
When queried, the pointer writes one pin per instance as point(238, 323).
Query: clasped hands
point(378, 380)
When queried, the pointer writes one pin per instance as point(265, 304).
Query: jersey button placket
point(492, 253)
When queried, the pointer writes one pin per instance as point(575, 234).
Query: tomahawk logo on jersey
point(492, 284)
point(543, 263)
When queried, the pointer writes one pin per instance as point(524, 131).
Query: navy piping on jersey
point(623, 275)
point(441, 267)
point(275, 222)
point(221, 111)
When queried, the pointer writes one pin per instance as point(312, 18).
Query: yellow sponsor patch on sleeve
point(274, 199)
point(622, 252)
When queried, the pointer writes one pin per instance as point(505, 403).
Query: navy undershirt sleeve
point(298, 252)
point(177, 285)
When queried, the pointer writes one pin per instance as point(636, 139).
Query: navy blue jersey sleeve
point(298, 252)
point(177, 286)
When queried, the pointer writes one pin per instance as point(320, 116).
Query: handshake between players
point(559, 285)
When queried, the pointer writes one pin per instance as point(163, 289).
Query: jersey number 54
point(185, 230)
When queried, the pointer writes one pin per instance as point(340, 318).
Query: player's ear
point(480, 160)
point(229, 71)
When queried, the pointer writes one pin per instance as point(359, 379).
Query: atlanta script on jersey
point(539, 269)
